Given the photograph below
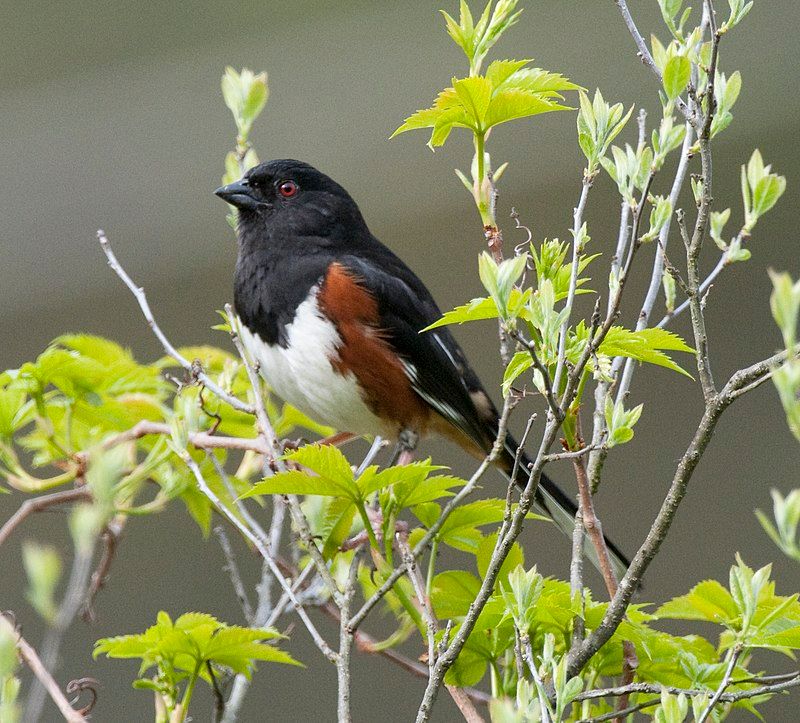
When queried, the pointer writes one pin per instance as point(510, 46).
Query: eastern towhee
point(333, 319)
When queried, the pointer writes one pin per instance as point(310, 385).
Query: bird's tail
point(551, 501)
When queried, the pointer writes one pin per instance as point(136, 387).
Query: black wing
point(436, 365)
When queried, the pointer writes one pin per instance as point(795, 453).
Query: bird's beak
point(239, 194)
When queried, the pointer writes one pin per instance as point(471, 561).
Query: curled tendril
point(77, 687)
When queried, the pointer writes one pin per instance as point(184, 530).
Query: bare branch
point(735, 653)
point(139, 294)
point(658, 262)
point(454, 502)
point(201, 440)
point(233, 572)
point(577, 224)
point(263, 546)
point(38, 504)
point(646, 57)
point(110, 537)
point(31, 658)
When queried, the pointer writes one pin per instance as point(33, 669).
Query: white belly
point(303, 376)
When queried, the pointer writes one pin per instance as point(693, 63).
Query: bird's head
point(288, 197)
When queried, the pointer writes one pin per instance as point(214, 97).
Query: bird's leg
point(406, 444)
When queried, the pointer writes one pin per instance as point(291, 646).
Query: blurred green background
point(112, 117)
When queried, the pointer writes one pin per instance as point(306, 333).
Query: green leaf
point(645, 345)
point(295, 482)
point(480, 309)
point(338, 523)
point(707, 600)
point(519, 364)
point(475, 94)
point(334, 475)
point(43, 568)
point(508, 91)
point(190, 644)
point(512, 104)
point(453, 592)
point(521, 593)
point(677, 73)
point(13, 410)
point(483, 557)
point(767, 192)
point(461, 529)
point(786, 511)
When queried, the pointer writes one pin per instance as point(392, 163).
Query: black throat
point(274, 275)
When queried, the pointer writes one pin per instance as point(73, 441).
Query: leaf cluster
point(194, 646)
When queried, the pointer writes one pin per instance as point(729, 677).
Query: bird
point(334, 321)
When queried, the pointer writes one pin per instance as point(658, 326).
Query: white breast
point(302, 374)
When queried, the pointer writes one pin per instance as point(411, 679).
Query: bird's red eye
point(287, 189)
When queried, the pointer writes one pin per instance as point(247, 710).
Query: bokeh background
point(112, 117)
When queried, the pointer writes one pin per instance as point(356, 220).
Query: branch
point(110, 536)
point(751, 377)
point(31, 659)
point(769, 689)
point(428, 537)
point(658, 262)
point(70, 605)
point(577, 224)
point(543, 370)
point(736, 651)
point(38, 504)
point(594, 529)
point(263, 546)
point(646, 57)
point(509, 532)
point(460, 698)
point(346, 643)
point(141, 299)
point(658, 532)
point(233, 572)
point(201, 440)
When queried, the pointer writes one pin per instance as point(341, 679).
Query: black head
point(291, 197)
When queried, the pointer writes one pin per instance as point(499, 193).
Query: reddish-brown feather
point(366, 353)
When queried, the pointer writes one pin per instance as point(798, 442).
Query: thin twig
point(460, 698)
point(736, 652)
point(38, 504)
point(543, 370)
point(658, 261)
point(577, 225)
point(233, 573)
point(346, 643)
point(656, 689)
point(573, 455)
point(31, 658)
point(544, 704)
point(139, 295)
point(262, 545)
point(70, 605)
point(645, 55)
point(427, 538)
point(110, 537)
point(200, 440)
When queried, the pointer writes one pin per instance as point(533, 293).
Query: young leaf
point(677, 73)
point(645, 346)
point(481, 102)
point(519, 364)
point(43, 568)
point(786, 511)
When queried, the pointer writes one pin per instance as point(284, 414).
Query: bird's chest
point(301, 369)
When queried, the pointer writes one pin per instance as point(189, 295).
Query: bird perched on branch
point(333, 319)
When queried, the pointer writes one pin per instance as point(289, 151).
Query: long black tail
point(552, 501)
